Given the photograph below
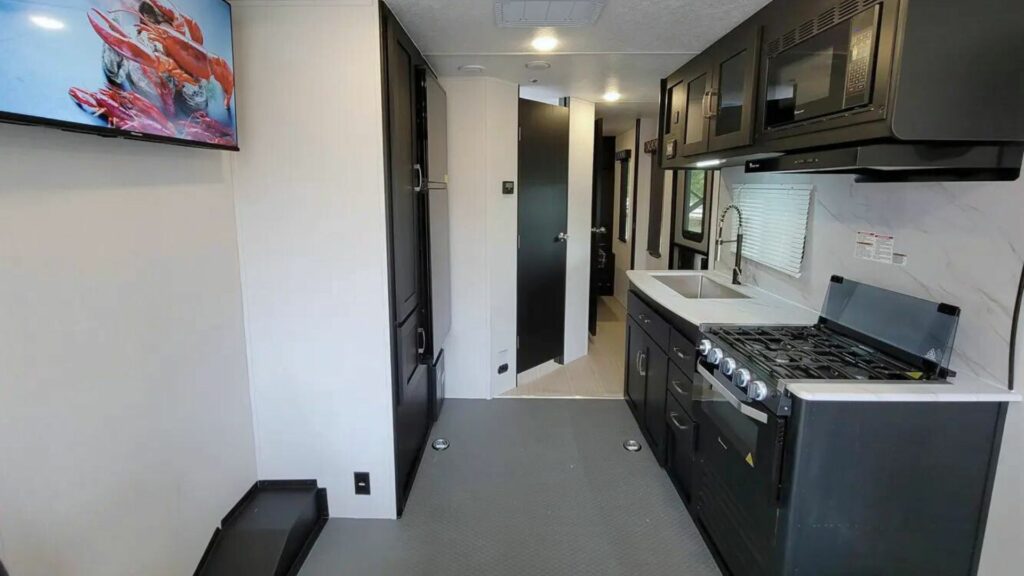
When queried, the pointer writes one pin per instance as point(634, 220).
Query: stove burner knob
point(742, 378)
point(704, 347)
point(715, 356)
point(758, 390)
point(728, 366)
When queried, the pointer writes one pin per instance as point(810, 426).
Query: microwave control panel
point(861, 62)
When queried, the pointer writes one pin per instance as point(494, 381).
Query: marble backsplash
point(964, 244)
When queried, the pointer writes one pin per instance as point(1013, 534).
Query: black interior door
point(408, 265)
point(543, 209)
point(602, 259)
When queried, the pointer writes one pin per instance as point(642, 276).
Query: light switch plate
point(508, 187)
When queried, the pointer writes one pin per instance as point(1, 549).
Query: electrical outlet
point(362, 483)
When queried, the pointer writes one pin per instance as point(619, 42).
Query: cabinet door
point(656, 367)
point(672, 123)
point(405, 177)
point(734, 89)
point(636, 374)
point(697, 78)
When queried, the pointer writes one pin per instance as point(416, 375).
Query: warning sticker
point(878, 248)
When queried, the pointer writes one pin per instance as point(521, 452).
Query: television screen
point(150, 69)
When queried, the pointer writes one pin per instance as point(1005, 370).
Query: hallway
point(596, 375)
point(527, 488)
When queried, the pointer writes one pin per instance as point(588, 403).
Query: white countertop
point(759, 307)
point(763, 308)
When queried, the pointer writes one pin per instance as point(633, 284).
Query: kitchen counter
point(761, 308)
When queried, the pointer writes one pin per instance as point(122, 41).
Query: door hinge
point(520, 133)
point(519, 241)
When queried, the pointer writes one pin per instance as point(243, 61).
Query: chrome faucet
point(737, 268)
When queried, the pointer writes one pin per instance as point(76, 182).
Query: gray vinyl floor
point(528, 487)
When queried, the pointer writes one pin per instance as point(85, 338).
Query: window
point(695, 191)
point(774, 224)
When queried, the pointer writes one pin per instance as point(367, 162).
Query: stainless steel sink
point(699, 287)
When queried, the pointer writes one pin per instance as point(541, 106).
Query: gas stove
point(865, 334)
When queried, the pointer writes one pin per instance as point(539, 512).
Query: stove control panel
point(748, 383)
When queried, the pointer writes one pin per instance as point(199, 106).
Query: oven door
point(829, 73)
point(740, 453)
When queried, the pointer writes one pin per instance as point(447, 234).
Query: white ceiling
point(632, 46)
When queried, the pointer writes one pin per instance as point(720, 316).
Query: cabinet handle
point(674, 416)
point(642, 364)
point(704, 104)
point(712, 103)
point(421, 340)
point(677, 385)
point(643, 318)
point(679, 352)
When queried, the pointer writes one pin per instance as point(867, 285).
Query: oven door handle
point(749, 412)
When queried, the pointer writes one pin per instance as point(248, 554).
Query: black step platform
point(269, 532)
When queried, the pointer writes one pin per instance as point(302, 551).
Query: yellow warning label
point(914, 375)
point(750, 459)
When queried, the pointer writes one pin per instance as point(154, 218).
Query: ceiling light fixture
point(46, 22)
point(611, 96)
point(544, 43)
point(472, 68)
point(538, 65)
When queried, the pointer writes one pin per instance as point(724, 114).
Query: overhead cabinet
point(936, 78)
point(709, 102)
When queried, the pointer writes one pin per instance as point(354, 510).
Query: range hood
point(902, 162)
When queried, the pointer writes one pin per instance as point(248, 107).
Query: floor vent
point(546, 13)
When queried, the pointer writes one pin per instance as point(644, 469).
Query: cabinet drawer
point(682, 434)
point(683, 352)
point(680, 386)
point(649, 320)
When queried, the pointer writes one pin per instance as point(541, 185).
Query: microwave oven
point(827, 70)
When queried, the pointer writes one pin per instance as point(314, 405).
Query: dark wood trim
point(636, 179)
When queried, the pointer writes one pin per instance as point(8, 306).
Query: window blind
point(774, 223)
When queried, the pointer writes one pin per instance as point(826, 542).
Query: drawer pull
point(643, 318)
point(679, 352)
point(674, 416)
point(678, 386)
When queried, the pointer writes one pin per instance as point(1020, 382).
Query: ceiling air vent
point(546, 13)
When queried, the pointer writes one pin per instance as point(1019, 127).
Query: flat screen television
point(159, 70)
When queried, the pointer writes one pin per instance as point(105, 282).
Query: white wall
point(483, 120)
point(964, 242)
point(580, 199)
point(623, 250)
point(125, 426)
point(311, 223)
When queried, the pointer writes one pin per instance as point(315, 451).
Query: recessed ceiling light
point(544, 43)
point(538, 65)
point(472, 68)
point(611, 96)
point(46, 22)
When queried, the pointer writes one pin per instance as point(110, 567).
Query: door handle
point(419, 178)
point(562, 237)
point(421, 340)
point(601, 230)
